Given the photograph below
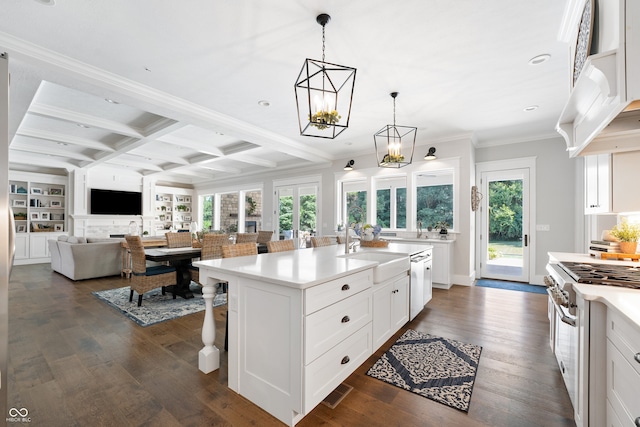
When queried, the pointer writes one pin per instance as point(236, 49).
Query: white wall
point(557, 191)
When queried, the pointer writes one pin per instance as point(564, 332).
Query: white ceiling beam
point(26, 148)
point(63, 138)
point(85, 119)
point(35, 159)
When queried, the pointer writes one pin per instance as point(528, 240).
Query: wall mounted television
point(113, 202)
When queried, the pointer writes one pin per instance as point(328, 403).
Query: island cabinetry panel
point(623, 369)
point(294, 346)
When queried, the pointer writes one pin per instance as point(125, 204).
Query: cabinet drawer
point(327, 327)
point(328, 293)
point(623, 384)
point(626, 338)
point(612, 418)
point(333, 367)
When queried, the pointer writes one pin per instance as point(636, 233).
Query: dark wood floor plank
point(75, 361)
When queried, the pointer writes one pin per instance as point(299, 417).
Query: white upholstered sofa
point(81, 258)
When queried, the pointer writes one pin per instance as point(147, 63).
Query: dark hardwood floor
point(74, 361)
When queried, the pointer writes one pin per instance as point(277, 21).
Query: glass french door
point(296, 212)
point(505, 225)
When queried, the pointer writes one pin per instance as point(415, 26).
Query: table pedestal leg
point(209, 356)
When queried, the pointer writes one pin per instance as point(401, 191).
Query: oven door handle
point(560, 310)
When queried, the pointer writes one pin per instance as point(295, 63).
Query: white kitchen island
point(300, 322)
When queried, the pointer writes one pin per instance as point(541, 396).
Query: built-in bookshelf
point(172, 211)
point(37, 206)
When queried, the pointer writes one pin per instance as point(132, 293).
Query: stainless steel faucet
point(419, 232)
point(347, 245)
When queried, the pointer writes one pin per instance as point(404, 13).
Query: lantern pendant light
point(395, 144)
point(324, 93)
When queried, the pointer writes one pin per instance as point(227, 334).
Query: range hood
point(602, 114)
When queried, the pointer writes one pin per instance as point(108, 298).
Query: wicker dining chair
point(211, 249)
point(143, 278)
point(246, 237)
point(178, 240)
point(239, 249)
point(264, 236)
point(280, 245)
point(316, 242)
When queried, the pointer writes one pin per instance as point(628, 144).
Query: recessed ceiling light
point(46, 2)
point(63, 143)
point(80, 125)
point(536, 60)
point(111, 101)
point(530, 108)
point(572, 148)
point(264, 103)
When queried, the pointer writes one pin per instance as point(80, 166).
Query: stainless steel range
point(569, 316)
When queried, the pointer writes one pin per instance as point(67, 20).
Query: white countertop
point(624, 300)
point(302, 268)
point(416, 240)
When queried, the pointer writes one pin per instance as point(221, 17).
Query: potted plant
point(181, 208)
point(628, 235)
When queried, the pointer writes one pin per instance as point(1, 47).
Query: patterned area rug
point(156, 307)
point(512, 286)
point(437, 368)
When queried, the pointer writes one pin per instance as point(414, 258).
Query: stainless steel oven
point(565, 326)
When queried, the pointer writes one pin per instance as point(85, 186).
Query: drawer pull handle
point(345, 360)
point(345, 319)
point(637, 421)
point(637, 359)
point(345, 287)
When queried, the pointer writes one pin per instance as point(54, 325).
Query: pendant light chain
point(394, 112)
point(323, 43)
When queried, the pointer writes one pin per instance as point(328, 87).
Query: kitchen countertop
point(624, 300)
point(302, 268)
point(416, 240)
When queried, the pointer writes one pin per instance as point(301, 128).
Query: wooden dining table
point(180, 258)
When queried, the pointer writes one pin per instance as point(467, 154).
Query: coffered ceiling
point(172, 90)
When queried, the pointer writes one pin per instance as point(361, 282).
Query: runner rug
point(437, 368)
point(155, 307)
point(512, 286)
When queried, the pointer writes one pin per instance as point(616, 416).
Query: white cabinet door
point(22, 246)
point(597, 183)
point(626, 174)
point(38, 247)
point(399, 303)
point(381, 314)
point(441, 270)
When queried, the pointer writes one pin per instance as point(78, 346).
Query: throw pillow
point(63, 238)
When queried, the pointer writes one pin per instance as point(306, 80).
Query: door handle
point(526, 240)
